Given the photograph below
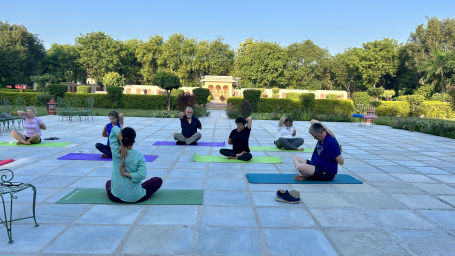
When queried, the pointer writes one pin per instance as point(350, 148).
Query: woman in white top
point(286, 139)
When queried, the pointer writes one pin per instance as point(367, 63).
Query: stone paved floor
point(405, 206)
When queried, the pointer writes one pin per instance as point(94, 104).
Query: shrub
point(440, 97)
point(361, 101)
point(43, 99)
point(57, 90)
point(334, 107)
point(375, 103)
point(202, 95)
point(270, 105)
point(375, 92)
point(331, 96)
point(138, 101)
point(402, 98)
point(114, 94)
point(388, 94)
point(306, 102)
point(245, 109)
point(83, 89)
point(292, 96)
point(185, 100)
point(393, 108)
point(113, 79)
point(275, 92)
point(425, 90)
point(177, 92)
point(101, 99)
point(437, 109)
point(30, 98)
point(235, 102)
point(253, 97)
point(199, 111)
point(415, 104)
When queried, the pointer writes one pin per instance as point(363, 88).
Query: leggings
point(104, 149)
point(150, 186)
point(229, 152)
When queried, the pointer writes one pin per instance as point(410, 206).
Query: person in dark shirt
point(115, 119)
point(239, 140)
point(189, 124)
point(325, 159)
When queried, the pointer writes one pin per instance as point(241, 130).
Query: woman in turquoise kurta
point(128, 172)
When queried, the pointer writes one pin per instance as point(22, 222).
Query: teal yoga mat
point(273, 148)
point(161, 197)
point(273, 178)
point(223, 159)
point(42, 144)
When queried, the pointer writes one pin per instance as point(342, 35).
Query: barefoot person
point(325, 159)
point(32, 125)
point(128, 170)
point(189, 124)
point(115, 119)
point(286, 139)
point(239, 140)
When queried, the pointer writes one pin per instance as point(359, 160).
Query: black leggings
point(229, 152)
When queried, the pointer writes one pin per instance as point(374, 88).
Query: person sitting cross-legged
point(325, 159)
point(128, 170)
point(33, 126)
point(239, 140)
point(189, 124)
point(286, 139)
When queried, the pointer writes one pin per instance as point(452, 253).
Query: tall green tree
point(21, 54)
point(131, 66)
point(439, 70)
point(261, 64)
point(306, 62)
point(167, 81)
point(147, 55)
point(345, 70)
point(99, 54)
point(61, 62)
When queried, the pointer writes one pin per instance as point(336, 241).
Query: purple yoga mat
point(96, 157)
point(172, 143)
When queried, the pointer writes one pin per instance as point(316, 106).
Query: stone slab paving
point(406, 205)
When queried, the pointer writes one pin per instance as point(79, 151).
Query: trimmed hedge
point(235, 102)
point(253, 97)
point(292, 95)
point(30, 98)
point(202, 95)
point(307, 101)
point(331, 96)
point(333, 107)
point(57, 90)
point(437, 109)
point(101, 99)
point(138, 101)
point(270, 105)
point(393, 108)
point(83, 89)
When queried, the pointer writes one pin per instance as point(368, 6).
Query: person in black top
point(189, 124)
point(239, 140)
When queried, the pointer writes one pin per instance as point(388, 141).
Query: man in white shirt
point(286, 139)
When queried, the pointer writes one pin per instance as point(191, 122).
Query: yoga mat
point(273, 148)
point(223, 159)
point(96, 157)
point(266, 178)
point(42, 144)
point(208, 144)
point(2, 162)
point(161, 197)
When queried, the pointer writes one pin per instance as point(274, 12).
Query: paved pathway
point(405, 206)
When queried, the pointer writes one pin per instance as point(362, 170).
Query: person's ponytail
point(129, 135)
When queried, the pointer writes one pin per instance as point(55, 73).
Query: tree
point(113, 79)
point(345, 70)
point(388, 94)
point(42, 80)
point(99, 54)
point(167, 81)
point(61, 62)
point(439, 70)
point(21, 54)
point(261, 64)
point(177, 56)
point(114, 83)
point(130, 67)
point(305, 63)
point(221, 58)
point(147, 55)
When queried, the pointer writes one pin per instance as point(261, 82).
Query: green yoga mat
point(223, 159)
point(273, 148)
point(161, 197)
point(42, 144)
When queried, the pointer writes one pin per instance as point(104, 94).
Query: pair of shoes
point(285, 196)
point(180, 143)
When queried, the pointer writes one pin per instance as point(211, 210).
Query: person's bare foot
point(104, 156)
point(300, 149)
point(27, 142)
point(19, 143)
point(299, 178)
point(231, 157)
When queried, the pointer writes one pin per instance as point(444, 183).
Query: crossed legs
point(21, 139)
point(304, 169)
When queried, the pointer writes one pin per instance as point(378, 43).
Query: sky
point(331, 24)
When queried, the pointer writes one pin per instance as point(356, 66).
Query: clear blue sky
point(331, 24)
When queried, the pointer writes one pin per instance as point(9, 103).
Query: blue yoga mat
point(266, 178)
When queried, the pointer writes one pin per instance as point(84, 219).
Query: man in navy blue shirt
point(189, 124)
point(325, 159)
